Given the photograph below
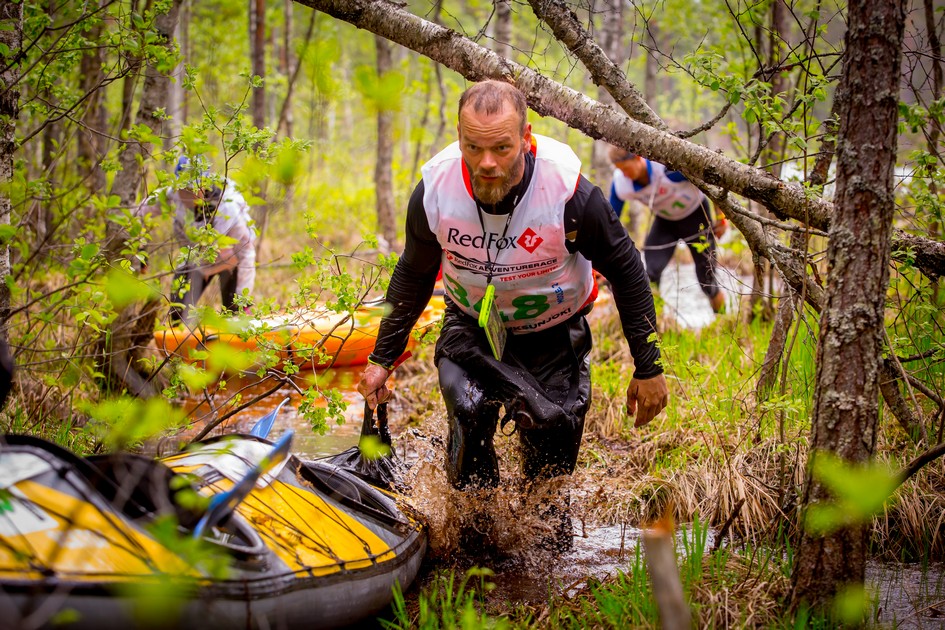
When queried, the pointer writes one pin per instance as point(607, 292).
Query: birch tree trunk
point(11, 15)
point(503, 28)
point(851, 326)
point(383, 174)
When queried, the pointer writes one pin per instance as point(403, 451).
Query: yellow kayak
point(107, 542)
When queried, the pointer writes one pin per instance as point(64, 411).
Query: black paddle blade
point(373, 459)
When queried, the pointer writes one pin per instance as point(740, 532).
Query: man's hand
point(372, 385)
point(650, 394)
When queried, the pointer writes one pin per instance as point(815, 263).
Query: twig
point(215, 423)
point(659, 546)
point(727, 524)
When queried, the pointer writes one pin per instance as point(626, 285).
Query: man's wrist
point(372, 361)
point(643, 376)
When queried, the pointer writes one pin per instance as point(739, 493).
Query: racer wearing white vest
point(682, 214)
point(539, 282)
point(668, 194)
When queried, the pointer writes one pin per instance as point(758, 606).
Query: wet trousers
point(198, 283)
point(543, 383)
point(696, 231)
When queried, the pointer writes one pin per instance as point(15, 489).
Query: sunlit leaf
point(859, 492)
point(124, 288)
point(224, 357)
point(372, 447)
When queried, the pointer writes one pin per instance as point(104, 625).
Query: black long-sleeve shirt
point(592, 230)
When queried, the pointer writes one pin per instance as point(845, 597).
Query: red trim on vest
point(593, 296)
point(466, 179)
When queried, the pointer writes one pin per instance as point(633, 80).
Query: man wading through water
point(508, 209)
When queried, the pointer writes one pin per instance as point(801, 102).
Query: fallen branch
point(916, 464)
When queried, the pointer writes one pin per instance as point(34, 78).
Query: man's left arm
point(602, 239)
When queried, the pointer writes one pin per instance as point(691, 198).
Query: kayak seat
point(142, 488)
point(350, 490)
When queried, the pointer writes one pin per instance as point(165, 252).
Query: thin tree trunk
point(290, 63)
point(651, 64)
point(503, 28)
point(285, 114)
point(185, 17)
point(118, 347)
point(175, 95)
point(935, 56)
point(851, 328)
point(11, 15)
point(92, 135)
point(613, 27)
point(257, 28)
point(383, 174)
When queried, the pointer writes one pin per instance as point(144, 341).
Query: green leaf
point(859, 491)
point(7, 232)
point(124, 288)
point(226, 358)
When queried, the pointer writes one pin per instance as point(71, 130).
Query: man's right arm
point(411, 284)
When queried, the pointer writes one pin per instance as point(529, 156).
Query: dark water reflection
point(306, 442)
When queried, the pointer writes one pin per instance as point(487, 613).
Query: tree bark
point(851, 328)
point(503, 28)
point(11, 15)
point(119, 347)
point(383, 169)
point(257, 28)
point(92, 135)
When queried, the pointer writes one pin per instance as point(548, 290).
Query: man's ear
point(527, 138)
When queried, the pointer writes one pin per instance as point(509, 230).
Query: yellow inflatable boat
point(108, 542)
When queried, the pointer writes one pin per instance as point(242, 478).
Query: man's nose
point(488, 160)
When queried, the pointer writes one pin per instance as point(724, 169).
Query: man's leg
point(228, 288)
point(470, 454)
point(658, 248)
point(192, 277)
point(561, 365)
point(703, 248)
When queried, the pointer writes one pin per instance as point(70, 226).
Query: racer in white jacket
point(200, 203)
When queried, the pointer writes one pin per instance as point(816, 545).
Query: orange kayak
point(309, 339)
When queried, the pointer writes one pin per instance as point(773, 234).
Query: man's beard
point(494, 192)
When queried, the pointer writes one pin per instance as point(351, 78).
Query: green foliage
point(447, 605)
point(125, 422)
point(859, 491)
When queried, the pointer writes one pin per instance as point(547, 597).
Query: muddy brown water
point(526, 572)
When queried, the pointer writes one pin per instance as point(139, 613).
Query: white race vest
point(538, 282)
point(664, 197)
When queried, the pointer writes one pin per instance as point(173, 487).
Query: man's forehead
point(501, 125)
